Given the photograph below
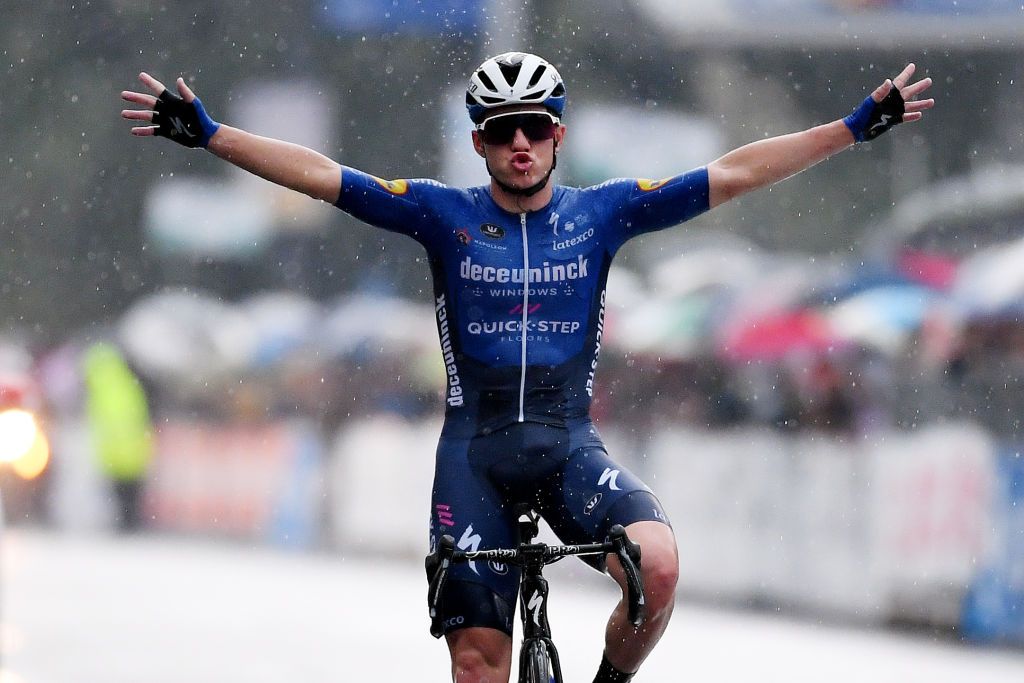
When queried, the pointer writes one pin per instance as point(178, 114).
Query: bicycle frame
point(538, 657)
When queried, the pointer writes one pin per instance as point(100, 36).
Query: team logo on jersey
point(393, 186)
point(648, 185)
point(462, 235)
point(493, 231)
point(592, 503)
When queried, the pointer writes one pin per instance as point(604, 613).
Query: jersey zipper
point(526, 308)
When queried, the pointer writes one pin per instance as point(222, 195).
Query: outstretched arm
point(183, 119)
point(765, 162)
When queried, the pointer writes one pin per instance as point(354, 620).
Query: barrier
point(262, 481)
point(868, 530)
point(993, 609)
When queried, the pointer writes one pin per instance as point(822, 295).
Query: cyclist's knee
point(480, 654)
point(659, 562)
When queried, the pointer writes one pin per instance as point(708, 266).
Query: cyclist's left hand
point(913, 108)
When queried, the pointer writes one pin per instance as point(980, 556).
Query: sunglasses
point(501, 129)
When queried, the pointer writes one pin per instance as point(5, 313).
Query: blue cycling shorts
point(481, 484)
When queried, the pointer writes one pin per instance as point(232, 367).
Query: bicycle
point(538, 658)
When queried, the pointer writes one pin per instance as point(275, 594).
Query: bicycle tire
point(537, 663)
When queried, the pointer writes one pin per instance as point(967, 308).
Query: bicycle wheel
point(535, 663)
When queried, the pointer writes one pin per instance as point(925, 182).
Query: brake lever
point(437, 565)
point(628, 553)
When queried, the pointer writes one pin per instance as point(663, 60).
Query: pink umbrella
point(778, 334)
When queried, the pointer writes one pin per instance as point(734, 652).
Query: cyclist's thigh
point(596, 493)
point(467, 507)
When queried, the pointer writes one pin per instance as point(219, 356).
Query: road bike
point(538, 658)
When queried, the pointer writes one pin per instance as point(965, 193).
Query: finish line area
point(161, 608)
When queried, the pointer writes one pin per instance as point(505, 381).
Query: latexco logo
point(573, 241)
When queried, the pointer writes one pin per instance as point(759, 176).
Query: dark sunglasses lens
point(501, 131)
point(538, 128)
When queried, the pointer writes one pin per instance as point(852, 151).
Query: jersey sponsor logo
point(648, 185)
point(499, 568)
point(463, 236)
point(560, 272)
point(454, 398)
point(470, 542)
point(610, 477)
point(532, 326)
point(518, 292)
point(392, 186)
point(592, 503)
point(444, 515)
point(518, 308)
point(597, 346)
point(573, 241)
point(495, 232)
point(454, 621)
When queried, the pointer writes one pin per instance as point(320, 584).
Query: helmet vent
point(510, 72)
point(486, 80)
point(537, 73)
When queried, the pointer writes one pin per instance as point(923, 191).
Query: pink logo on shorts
point(444, 515)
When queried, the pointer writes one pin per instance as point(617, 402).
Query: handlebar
point(438, 564)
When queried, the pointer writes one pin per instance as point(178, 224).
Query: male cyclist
point(519, 269)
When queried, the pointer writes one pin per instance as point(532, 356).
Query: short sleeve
point(649, 205)
point(397, 205)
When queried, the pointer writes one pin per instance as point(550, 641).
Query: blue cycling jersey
point(520, 298)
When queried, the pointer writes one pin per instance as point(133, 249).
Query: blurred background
point(822, 380)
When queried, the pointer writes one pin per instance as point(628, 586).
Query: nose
point(520, 141)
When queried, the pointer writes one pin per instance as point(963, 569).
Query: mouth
point(522, 162)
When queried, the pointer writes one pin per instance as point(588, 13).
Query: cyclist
point(519, 269)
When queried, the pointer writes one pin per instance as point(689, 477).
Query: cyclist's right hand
point(178, 117)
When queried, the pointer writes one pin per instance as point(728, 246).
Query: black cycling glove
point(871, 118)
point(187, 123)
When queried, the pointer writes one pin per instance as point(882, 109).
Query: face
point(513, 157)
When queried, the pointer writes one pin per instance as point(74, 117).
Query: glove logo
point(883, 123)
point(179, 127)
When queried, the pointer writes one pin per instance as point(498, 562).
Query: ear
point(559, 136)
point(478, 144)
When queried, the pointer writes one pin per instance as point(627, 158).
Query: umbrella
point(882, 317)
point(773, 336)
point(991, 280)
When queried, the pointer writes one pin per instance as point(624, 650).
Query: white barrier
point(381, 475)
point(866, 529)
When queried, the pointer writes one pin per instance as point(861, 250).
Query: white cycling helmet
point(514, 78)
